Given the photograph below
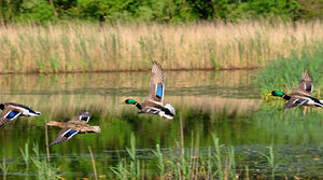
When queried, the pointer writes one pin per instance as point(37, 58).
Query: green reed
point(188, 164)
point(25, 155)
point(285, 73)
point(127, 169)
point(45, 170)
point(34, 163)
point(270, 160)
point(4, 168)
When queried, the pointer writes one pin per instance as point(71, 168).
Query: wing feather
point(306, 84)
point(293, 102)
point(64, 135)
point(157, 84)
point(8, 115)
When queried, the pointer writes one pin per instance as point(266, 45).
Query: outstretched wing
point(293, 102)
point(64, 135)
point(306, 84)
point(8, 115)
point(157, 84)
point(17, 105)
point(84, 116)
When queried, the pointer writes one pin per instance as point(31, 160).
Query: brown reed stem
point(93, 163)
point(319, 92)
point(47, 146)
point(182, 131)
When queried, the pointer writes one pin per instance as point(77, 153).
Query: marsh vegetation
point(87, 47)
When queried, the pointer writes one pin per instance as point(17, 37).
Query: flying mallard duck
point(154, 102)
point(10, 111)
point(303, 95)
point(77, 125)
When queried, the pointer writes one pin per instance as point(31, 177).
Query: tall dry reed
point(86, 47)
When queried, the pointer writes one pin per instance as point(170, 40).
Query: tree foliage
point(154, 10)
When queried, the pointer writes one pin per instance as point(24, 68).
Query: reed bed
point(88, 47)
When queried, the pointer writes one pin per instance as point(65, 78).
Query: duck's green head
point(130, 101)
point(277, 93)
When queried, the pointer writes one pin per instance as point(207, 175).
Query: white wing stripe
point(23, 110)
point(69, 136)
point(156, 102)
point(5, 116)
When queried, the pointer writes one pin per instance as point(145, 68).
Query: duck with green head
point(303, 95)
point(154, 102)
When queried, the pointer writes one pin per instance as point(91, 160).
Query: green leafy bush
point(156, 10)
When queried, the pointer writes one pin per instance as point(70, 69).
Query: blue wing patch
point(153, 111)
point(308, 88)
point(12, 114)
point(70, 133)
point(299, 101)
point(159, 91)
point(85, 118)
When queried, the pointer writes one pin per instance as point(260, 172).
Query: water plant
point(25, 155)
point(160, 161)
point(181, 163)
point(4, 168)
point(129, 168)
point(44, 169)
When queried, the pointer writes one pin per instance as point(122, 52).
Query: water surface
point(207, 103)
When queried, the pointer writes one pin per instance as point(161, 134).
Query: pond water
point(207, 103)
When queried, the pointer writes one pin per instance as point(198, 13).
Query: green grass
point(285, 73)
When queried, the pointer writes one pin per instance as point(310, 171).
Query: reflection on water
point(112, 83)
point(207, 102)
point(69, 92)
